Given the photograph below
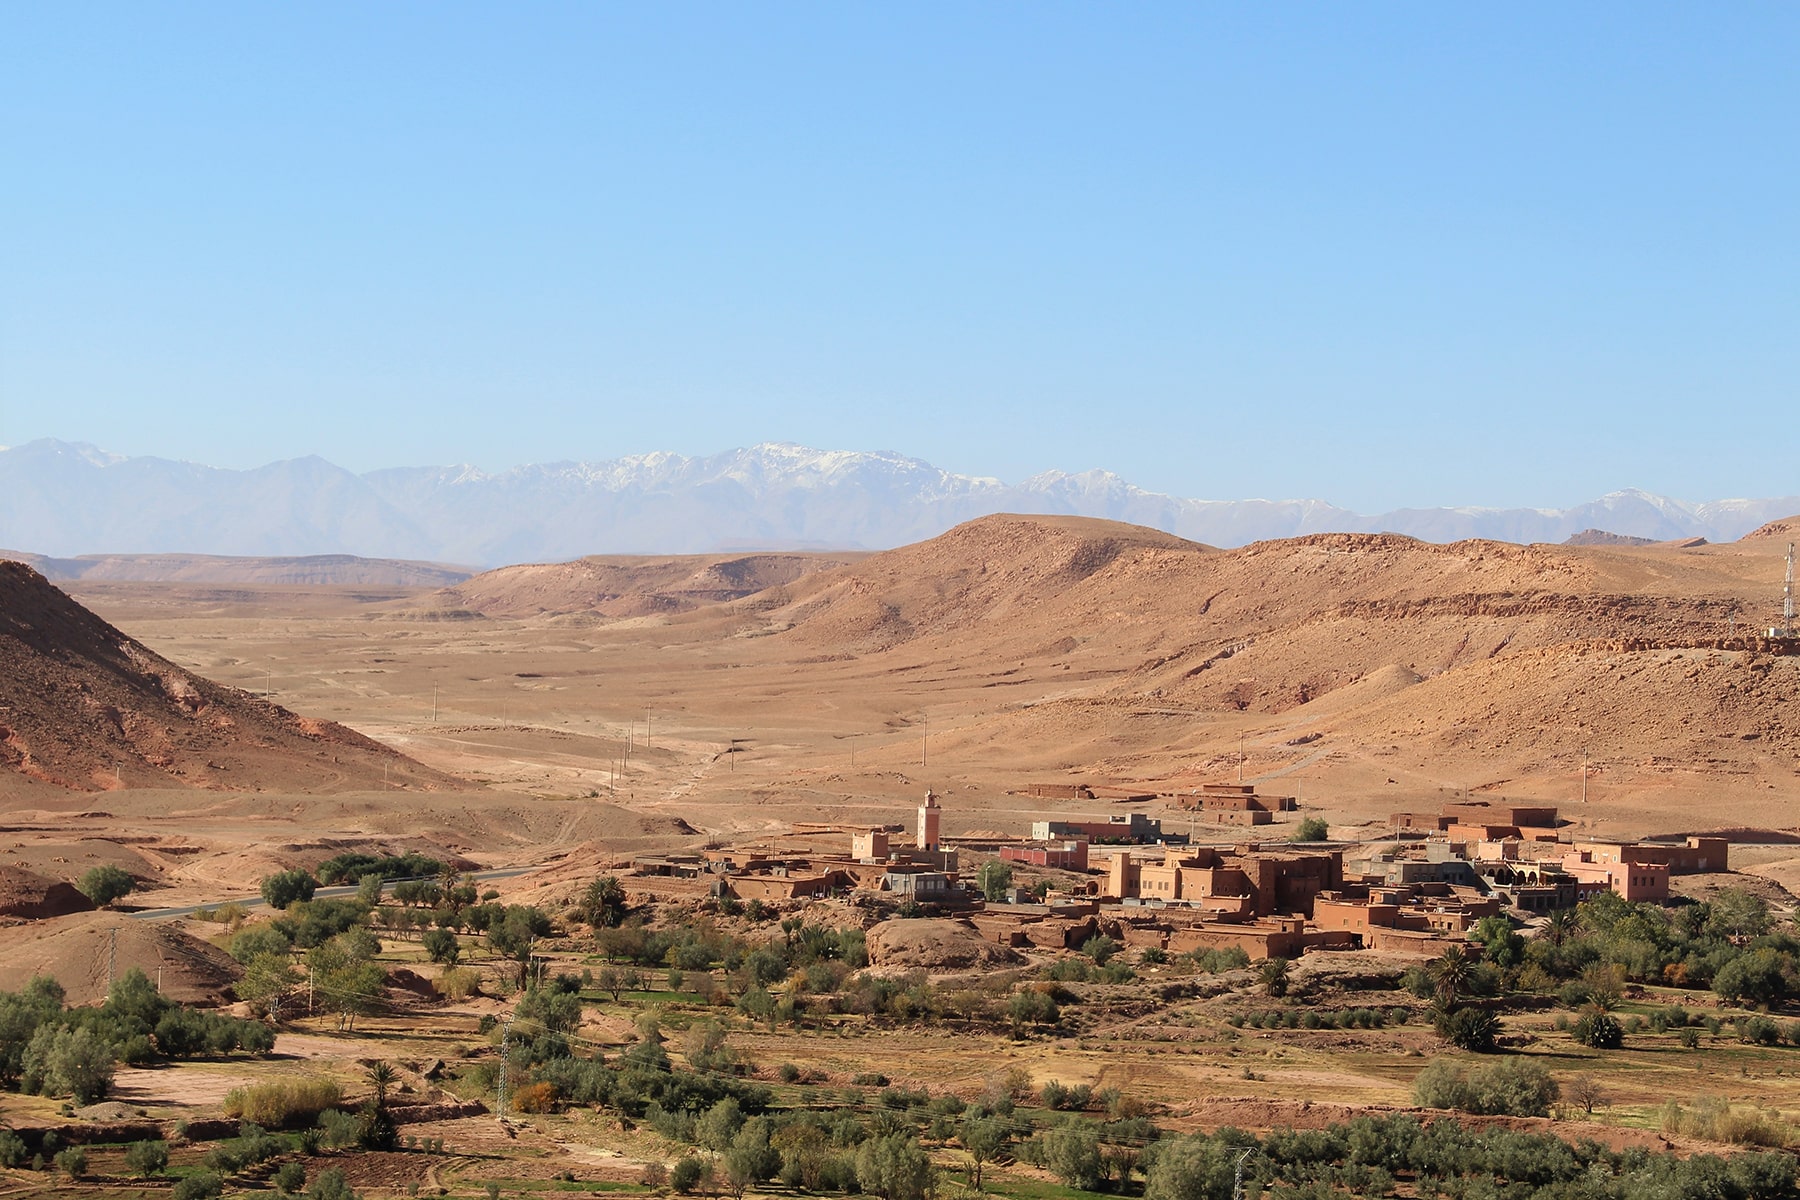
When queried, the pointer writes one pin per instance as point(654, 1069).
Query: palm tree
point(1452, 971)
point(1560, 927)
point(1274, 976)
point(382, 1076)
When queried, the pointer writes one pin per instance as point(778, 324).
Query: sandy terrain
point(1366, 673)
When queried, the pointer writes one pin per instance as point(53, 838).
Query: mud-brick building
point(1244, 881)
point(1071, 855)
point(1408, 919)
point(1236, 804)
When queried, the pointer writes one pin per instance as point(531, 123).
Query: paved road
point(157, 914)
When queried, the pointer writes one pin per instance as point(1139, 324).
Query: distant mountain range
point(62, 498)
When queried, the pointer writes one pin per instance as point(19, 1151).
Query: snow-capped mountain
point(65, 499)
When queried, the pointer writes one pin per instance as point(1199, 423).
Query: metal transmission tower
point(505, 1044)
point(1237, 1183)
point(1787, 596)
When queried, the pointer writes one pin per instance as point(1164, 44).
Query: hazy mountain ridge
point(68, 499)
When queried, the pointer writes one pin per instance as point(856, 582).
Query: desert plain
point(539, 726)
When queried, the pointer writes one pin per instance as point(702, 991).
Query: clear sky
point(1384, 254)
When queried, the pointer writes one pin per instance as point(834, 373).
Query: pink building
point(1070, 856)
point(1630, 881)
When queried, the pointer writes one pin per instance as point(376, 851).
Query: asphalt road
point(157, 914)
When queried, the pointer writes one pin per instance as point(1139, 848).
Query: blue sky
point(1382, 254)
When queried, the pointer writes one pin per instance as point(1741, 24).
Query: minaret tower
point(929, 815)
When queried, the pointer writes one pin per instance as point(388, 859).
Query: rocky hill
point(1480, 658)
point(84, 706)
point(621, 586)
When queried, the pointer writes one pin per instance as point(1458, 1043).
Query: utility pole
point(434, 709)
point(112, 955)
point(925, 748)
point(1584, 776)
point(646, 729)
point(1240, 756)
point(310, 973)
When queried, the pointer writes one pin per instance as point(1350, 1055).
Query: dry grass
point(283, 1101)
point(1717, 1120)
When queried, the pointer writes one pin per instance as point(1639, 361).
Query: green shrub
point(1470, 1029)
point(103, 885)
point(283, 888)
point(330, 1185)
point(72, 1162)
point(147, 1158)
point(1311, 829)
point(201, 1186)
point(686, 1175)
point(1599, 1030)
point(1510, 1087)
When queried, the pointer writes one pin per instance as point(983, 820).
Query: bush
point(1759, 977)
point(201, 1186)
point(249, 1147)
point(72, 1162)
point(290, 1177)
point(894, 1168)
point(283, 888)
point(12, 1149)
point(1470, 1029)
point(1599, 1030)
point(1311, 829)
point(441, 945)
point(330, 1185)
point(147, 1158)
point(283, 1102)
point(1510, 1087)
point(1072, 1153)
point(535, 1098)
point(1192, 1167)
point(1715, 1120)
point(686, 1175)
point(64, 1061)
point(1214, 961)
point(103, 885)
point(458, 983)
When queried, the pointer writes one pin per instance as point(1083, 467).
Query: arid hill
point(997, 573)
point(624, 586)
point(1600, 537)
point(317, 570)
point(84, 706)
point(1508, 661)
point(1786, 529)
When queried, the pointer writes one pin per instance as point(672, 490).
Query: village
point(1428, 882)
